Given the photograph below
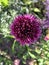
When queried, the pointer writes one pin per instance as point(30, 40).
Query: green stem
point(13, 46)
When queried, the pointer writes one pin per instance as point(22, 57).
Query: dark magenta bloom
point(26, 29)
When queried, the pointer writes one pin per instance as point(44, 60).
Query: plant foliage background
point(9, 48)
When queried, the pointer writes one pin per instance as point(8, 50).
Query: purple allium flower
point(47, 7)
point(26, 29)
point(46, 21)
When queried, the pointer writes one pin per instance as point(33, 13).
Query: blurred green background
point(9, 48)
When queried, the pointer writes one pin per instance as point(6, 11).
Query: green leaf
point(32, 55)
point(4, 2)
point(38, 51)
point(10, 36)
point(25, 9)
point(40, 61)
point(27, 2)
point(24, 62)
point(25, 56)
point(36, 10)
point(13, 46)
point(48, 41)
point(47, 54)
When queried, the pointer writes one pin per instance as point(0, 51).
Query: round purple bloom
point(26, 29)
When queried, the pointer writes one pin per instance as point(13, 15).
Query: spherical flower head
point(26, 29)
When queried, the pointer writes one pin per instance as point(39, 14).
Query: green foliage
point(32, 55)
point(8, 10)
point(4, 2)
